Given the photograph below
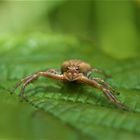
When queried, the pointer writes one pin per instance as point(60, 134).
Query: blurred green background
point(38, 35)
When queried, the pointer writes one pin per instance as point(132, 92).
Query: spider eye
point(77, 68)
point(67, 68)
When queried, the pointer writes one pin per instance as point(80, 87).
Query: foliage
point(40, 35)
point(55, 111)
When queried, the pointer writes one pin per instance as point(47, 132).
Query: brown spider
point(71, 71)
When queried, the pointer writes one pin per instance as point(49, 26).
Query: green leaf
point(57, 111)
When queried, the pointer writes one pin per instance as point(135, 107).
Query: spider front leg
point(105, 90)
point(27, 80)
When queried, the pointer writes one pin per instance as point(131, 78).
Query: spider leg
point(106, 85)
point(101, 72)
point(27, 80)
point(22, 81)
point(106, 91)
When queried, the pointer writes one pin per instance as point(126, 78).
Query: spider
point(75, 71)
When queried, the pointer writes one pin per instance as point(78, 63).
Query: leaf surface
point(55, 110)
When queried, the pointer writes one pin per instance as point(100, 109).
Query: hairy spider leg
point(100, 72)
point(106, 91)
point(48, 74)
point(106, 85)
point(22, 81)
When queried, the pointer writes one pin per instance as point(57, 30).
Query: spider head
point(73, 68)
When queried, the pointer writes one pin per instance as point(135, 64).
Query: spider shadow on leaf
point(69, 90)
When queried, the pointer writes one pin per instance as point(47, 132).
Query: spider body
point(72, 69)
point(75, 71)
